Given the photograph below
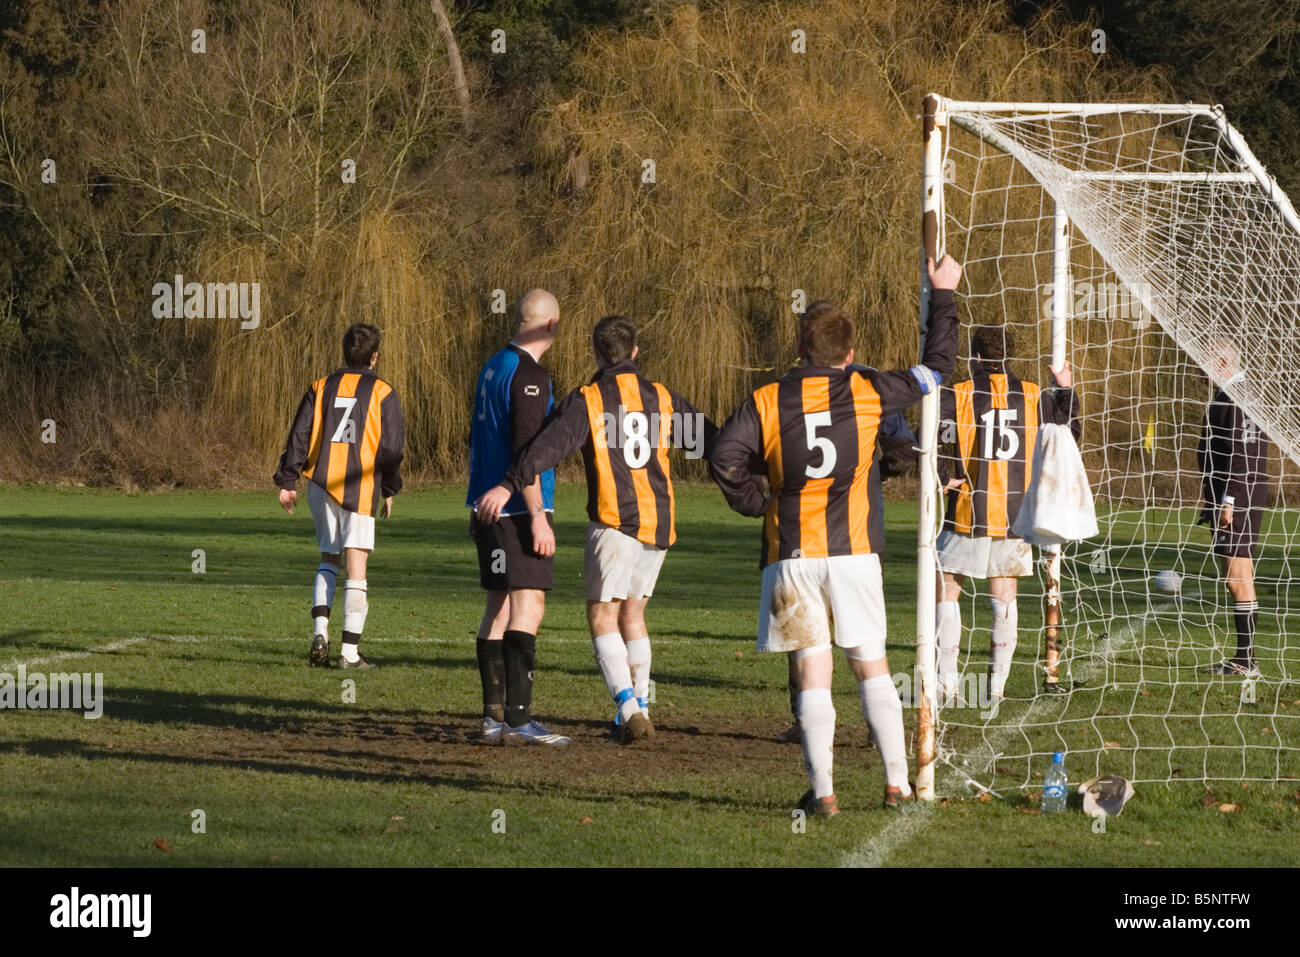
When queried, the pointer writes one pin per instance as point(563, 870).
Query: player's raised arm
point(902, 387)
point(1060, 404)
point(740, 440)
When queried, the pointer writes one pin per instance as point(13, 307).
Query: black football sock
point(1245, 613)
point(492, 674)
point(520, 653)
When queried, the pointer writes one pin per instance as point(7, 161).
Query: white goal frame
point(937, 114)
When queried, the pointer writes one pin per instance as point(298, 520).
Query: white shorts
point(801, 596)
point(619, 566)
point(336, 527)
point(984, 557)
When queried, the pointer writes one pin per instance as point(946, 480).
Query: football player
point(625, 425)
point(1233, 458)
point(813, 432)
point(516, 545)
point(346, 440)
point(992, 420)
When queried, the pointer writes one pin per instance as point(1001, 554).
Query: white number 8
point(636, 446)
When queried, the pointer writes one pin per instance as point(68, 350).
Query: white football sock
point(322, 596)
point(1005, 636)
point(948, 632)
point(611, 658)
point(355, 607)
point(884, 713)
point(816, 716)
point(638, 662)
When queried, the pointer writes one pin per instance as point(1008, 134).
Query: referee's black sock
point(492, 674)
point(1245, 613)
point(519, 649)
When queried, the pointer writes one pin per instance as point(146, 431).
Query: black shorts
point(1241, 538)
point(505, 554)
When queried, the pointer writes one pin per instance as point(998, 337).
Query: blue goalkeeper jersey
point(511, 402)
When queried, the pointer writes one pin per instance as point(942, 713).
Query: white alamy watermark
point(179, 299)
point(1104, 300)
point(57, 691)
point(637, 434)
point(972, 692)
point(75, 909)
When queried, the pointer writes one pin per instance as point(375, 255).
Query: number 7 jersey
point(347, 437)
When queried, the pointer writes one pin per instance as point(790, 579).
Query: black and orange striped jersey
point(625, 425)
point(813, 434)
point(989, 425)
point(347, 437)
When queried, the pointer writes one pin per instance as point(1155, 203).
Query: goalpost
point(1132, 240)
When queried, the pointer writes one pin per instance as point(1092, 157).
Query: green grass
point(210, 705)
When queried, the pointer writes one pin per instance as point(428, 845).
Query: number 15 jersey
point(992, 420)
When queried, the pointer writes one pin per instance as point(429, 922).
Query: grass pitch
point(210, 707)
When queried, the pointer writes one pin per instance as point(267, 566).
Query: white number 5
point(812, 422)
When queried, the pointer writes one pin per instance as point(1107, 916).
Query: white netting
point(1161, 267)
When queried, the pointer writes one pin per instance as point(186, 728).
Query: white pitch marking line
point(69, 655)
point(115, 646)
point(880, 848)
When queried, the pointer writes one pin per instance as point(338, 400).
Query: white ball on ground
point(1169, 582)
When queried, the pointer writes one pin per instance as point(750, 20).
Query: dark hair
point(993, 344)
point(826, 334)
point(613, 339)
point(360, 342)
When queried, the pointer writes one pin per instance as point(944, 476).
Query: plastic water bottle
point(1054, 785)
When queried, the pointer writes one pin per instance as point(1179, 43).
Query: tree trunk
point(453, 57)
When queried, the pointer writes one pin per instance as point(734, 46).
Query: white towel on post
point(1058, 505)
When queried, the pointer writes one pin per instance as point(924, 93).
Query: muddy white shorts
point(336, 527)
point(802, 596)
point(984, 557)
point(618, 566)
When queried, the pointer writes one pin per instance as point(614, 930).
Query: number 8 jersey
point(993, 421)
point(625, 424)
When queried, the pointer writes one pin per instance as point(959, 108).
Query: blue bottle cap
point(1058, 757)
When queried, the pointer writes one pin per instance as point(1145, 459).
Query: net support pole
point(1061, 300)
point(924, 691)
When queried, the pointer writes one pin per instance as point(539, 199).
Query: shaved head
point(537, 308)
point(538, 316)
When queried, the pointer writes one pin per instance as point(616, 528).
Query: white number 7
point(347, 429)
point(811, 422)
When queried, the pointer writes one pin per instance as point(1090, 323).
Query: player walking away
point(624, 424)
point(897, 453)
point(516, 556)
point(814, 434)
point(1233, 459)
point(346, 440)
point(993, 420)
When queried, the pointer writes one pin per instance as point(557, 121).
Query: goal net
point(1137, 240)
